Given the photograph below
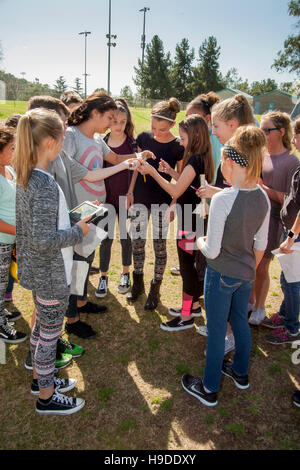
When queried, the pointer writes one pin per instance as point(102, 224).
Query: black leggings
point(191, 288)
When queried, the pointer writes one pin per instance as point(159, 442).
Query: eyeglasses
point(268, 130)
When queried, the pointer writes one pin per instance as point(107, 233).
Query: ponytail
point(237, 108)
point(166, 110)
point(33, 128)
point(203, 103)
point(98, 100)
point(6, 136)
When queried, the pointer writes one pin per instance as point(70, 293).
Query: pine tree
point(264, 86)
point(78, 86)
point(60, 86)
point(207, 76)
point(153, 78)
point(126, 93)
point(181, 72)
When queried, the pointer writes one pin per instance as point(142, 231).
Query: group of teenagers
point(59, 154)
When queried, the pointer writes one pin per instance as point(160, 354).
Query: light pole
point(23, 84)
point(110, 44)
point(145, 9)
point(85, 74)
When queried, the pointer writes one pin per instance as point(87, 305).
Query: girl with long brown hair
point(197, 160)
point(121, 140)
point(84, 143)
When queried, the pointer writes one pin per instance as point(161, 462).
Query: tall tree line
point(190, 74)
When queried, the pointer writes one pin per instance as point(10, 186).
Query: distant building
point(274, 100)
point(296, 111)
point(231, 92)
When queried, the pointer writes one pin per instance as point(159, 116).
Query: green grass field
point(141, 116)
point(9, 107)
point(130, 377)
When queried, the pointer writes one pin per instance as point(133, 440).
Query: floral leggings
point(44, 336)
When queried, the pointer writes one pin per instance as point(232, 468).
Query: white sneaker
point(202, 330)
point(229, 343)
point(124, 285)
point(102, 287)
point(175, 271)
point(257, 316)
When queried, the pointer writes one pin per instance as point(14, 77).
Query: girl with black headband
point(226, 117)
point(235, 243)
point(197, 160)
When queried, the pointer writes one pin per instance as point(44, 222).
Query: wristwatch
point(292, 235)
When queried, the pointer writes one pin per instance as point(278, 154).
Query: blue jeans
point(225, 299)
point(290, 306)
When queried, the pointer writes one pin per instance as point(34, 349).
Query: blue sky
point(41, 37)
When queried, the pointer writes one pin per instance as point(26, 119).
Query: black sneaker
point(11, 336)
point(81, 329)
point(101, 291)
point(61, 385)
point(28, 363)
point(12, 316)
point(60, 405)
point(177, 324)
point(94, 270)
point(176, 311)
point(195, 387)
point(296, 398)
point(90, 307)
point(241, 381)
point(125, 284)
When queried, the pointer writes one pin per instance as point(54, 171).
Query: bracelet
point(129, 194)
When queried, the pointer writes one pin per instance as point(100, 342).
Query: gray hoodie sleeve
point(45, 235)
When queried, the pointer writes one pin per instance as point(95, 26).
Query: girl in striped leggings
point(44, 241)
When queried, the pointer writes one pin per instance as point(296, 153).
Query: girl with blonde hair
point(44, 240)
point(234, 246)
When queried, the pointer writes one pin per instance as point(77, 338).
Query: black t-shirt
point(189, 199)
point(220, 180)
point(150, 192)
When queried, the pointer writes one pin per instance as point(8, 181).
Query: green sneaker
point(63, 346)
point(62, 360)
